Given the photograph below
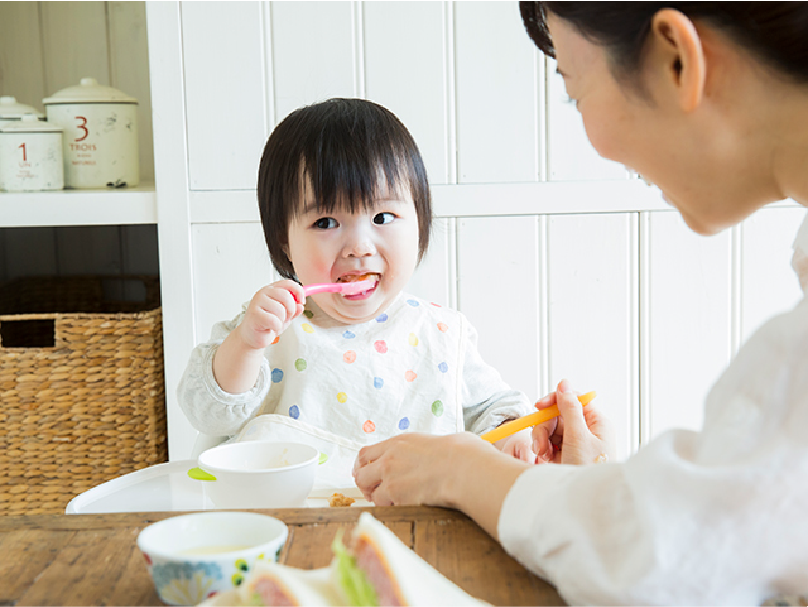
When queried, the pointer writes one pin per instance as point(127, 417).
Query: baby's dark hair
point(774, 32)
point(342, 149)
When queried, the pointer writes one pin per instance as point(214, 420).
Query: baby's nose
point(362, 247)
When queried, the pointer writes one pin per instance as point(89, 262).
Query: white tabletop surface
point(167, 487)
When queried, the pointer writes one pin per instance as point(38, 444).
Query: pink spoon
point(346, 288)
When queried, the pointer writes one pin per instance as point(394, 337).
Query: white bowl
point(259, 474)
point(196, 556)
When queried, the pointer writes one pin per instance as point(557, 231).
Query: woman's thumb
point(571, 411)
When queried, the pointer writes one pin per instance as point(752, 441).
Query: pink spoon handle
point(346, 288)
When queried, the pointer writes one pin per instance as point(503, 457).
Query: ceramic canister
point(100, 141)
point(12, 111)
point(31, 155)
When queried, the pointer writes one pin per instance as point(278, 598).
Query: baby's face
point(343, 246)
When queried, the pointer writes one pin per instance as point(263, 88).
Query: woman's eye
point(325, 223)
point(382, 218)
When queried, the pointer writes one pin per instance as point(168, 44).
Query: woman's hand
point(457, 471)
point(579, 435)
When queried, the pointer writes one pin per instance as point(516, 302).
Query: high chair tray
point(167, 487)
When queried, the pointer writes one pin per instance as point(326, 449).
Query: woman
point(709, 100)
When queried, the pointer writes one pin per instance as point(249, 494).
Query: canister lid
point(10, 109)
point(30, 123)
point(89, 91)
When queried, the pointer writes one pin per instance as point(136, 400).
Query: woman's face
point(694, 157)
point(342, 246)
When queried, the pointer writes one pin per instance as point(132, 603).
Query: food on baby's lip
point(358, 277)
point(338, 500)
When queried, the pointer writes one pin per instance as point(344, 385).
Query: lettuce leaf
point(352, 580)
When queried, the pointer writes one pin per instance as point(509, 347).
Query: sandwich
point(377, 569)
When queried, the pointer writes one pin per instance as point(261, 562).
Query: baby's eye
point(382, 218)
point(325, 223)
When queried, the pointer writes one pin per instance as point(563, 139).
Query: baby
point(343, 195)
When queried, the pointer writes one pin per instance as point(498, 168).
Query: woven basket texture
point(84, 401)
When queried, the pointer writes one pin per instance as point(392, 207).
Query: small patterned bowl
point(194, 557)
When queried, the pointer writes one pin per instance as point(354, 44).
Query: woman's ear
point(678, 43)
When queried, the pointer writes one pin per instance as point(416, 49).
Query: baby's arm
point(237, 362)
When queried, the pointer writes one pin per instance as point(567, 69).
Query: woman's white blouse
point(717, 517)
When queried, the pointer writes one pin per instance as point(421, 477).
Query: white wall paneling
point(689, 299)
point(594, 313)
point(498, 279)
point(498, 89)
point(435, 278)
point(222, 52)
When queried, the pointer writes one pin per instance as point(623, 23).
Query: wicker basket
point(85, 402)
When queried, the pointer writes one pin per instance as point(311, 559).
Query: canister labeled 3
point(100, 137)
point(30, 156)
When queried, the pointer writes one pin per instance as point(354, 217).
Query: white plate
point(165, 488)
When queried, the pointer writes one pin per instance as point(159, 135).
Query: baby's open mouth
point(372, 277)
point(355, 277)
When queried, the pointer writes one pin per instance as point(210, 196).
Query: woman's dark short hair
point(775, 32)
point(341, 148)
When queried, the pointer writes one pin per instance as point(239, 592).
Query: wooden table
point(93, 559)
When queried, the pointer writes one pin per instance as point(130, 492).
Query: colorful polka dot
point(414, 303)
point(349, 357)
point(301, 364)
point(294, 412)
point(308, 314)
point(307, 327)
point(349, 335)
point(382, 317)
point(437, 408)
point(323, 459)
point(381, 346)
point(274, 341)
point(342, 397)
point(443, 327)
point(443, 367)
point(434, 304)
point(276, 376)
point(378, 383)
point(413, 339)
point(403, 423)
point(410, 375)
point(369, 426)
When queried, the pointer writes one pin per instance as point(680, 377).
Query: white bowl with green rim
point(259, 474)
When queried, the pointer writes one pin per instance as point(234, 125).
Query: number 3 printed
point(83, 127)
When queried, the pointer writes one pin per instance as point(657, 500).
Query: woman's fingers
point(571, 411)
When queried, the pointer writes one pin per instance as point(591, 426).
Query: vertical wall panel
point(408, 78)
point(570, 156)
point(21, 65)
point(231, 263)
point(769, 285)
point(66, 60)
point(313, 53)
point(690, 320)
point(497, 86)
point(498, 290)
point(224, 93)
point(129, 72)
point(434, 279)
point(593, 316)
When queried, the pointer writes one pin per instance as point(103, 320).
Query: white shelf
point(79, 207)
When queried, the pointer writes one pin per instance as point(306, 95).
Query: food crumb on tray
point(338, 500)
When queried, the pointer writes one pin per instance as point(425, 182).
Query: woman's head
point(698, 97)
point(341, 153)
point(343, 192)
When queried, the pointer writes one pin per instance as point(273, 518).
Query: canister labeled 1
point(100, 138)
point(31, 156)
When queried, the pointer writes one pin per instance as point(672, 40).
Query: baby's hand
point(269, 313)
point(520, 446)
